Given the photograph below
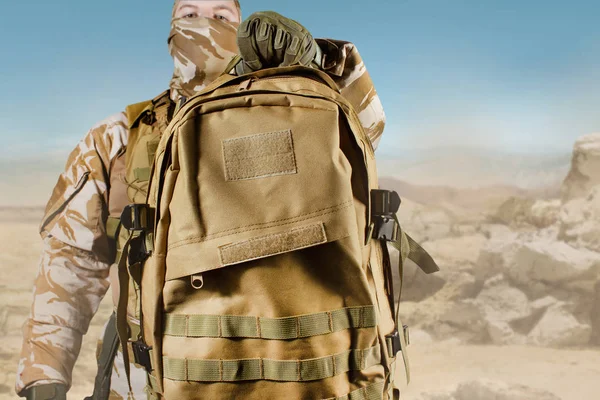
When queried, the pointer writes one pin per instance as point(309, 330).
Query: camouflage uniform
point(77, 254)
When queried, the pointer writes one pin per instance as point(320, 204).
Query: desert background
point(513, 314)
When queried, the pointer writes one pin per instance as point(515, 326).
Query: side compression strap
point(414, 252)
point(230, 326)
point(271, 370)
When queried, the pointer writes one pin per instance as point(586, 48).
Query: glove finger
point(264, 42)
point(280, 45)
point(246, 40)
point(309, 53)
point(291, 53)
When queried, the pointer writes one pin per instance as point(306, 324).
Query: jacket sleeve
point(344, 64)
point(75, 261)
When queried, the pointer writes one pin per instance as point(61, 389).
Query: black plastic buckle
point(137, 217)
point(384, 204)
point(141, 354)
point(386, 229)
point(394, 340)
point(138, 252)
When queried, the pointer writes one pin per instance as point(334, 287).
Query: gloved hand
point(51, 391)
point(267, 39)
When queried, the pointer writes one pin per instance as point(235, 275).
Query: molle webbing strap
point(110, 345)
point(230, 326)
point(271, 370)
point(112, 227)
point(373, 391)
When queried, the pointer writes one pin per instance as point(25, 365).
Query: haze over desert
point(513, 314)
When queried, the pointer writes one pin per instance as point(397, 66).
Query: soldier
point(78, 248)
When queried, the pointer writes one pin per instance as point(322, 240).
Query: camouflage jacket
point(77, 254)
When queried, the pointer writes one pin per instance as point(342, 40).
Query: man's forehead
point(233, 4)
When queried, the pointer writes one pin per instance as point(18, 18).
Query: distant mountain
point(423, 174)
point(471, 200)
point(463, 167)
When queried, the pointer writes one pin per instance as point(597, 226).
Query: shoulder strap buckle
point(384, 205)
point(138, 217)
point(141, 354)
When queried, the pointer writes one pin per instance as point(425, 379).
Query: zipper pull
point(245, 85)
point(197, 281)
point(180, 103)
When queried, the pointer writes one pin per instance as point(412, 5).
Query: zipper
point(245, 86)
point(82, 181)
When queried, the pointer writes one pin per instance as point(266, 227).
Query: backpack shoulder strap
point(135, 112)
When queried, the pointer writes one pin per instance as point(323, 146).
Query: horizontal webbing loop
point(373, 391)
point(301, 326)
point(271, 370)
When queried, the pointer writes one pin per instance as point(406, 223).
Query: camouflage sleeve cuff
point(48, 355)
point(68, 290)
point(69, 287)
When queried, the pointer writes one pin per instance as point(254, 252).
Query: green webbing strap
point(393, 391)
point(152, 389)
point(414, 251)
point(112, 227)
point(235, 60)
point(122, 325)
point(373, 391)
point(230, 326)
point(271, 370)
point(106, 358)
point(410, 249)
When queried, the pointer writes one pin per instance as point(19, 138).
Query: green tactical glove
point(267, 39)
point(52, 391)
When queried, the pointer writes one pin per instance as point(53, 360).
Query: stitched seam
point(264, 225)
point(266, 237)
point(263, 255)
point(248, 177)
point(258, 135)
point(290, 152)
point(193, 113)
point(254, 138)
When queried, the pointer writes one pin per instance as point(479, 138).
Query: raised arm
point(344, 64)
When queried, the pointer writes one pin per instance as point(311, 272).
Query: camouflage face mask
point(201, 49)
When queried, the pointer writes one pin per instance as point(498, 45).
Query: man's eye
point(191, 15)
point(221, 17)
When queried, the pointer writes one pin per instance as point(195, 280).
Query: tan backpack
point(259, 261)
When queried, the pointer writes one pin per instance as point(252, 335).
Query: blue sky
point(507, 74)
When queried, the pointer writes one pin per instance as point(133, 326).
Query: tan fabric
point(77, 255)
point(274, 246)
point(259, 155)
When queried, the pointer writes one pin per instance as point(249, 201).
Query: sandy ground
point(570, 374)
